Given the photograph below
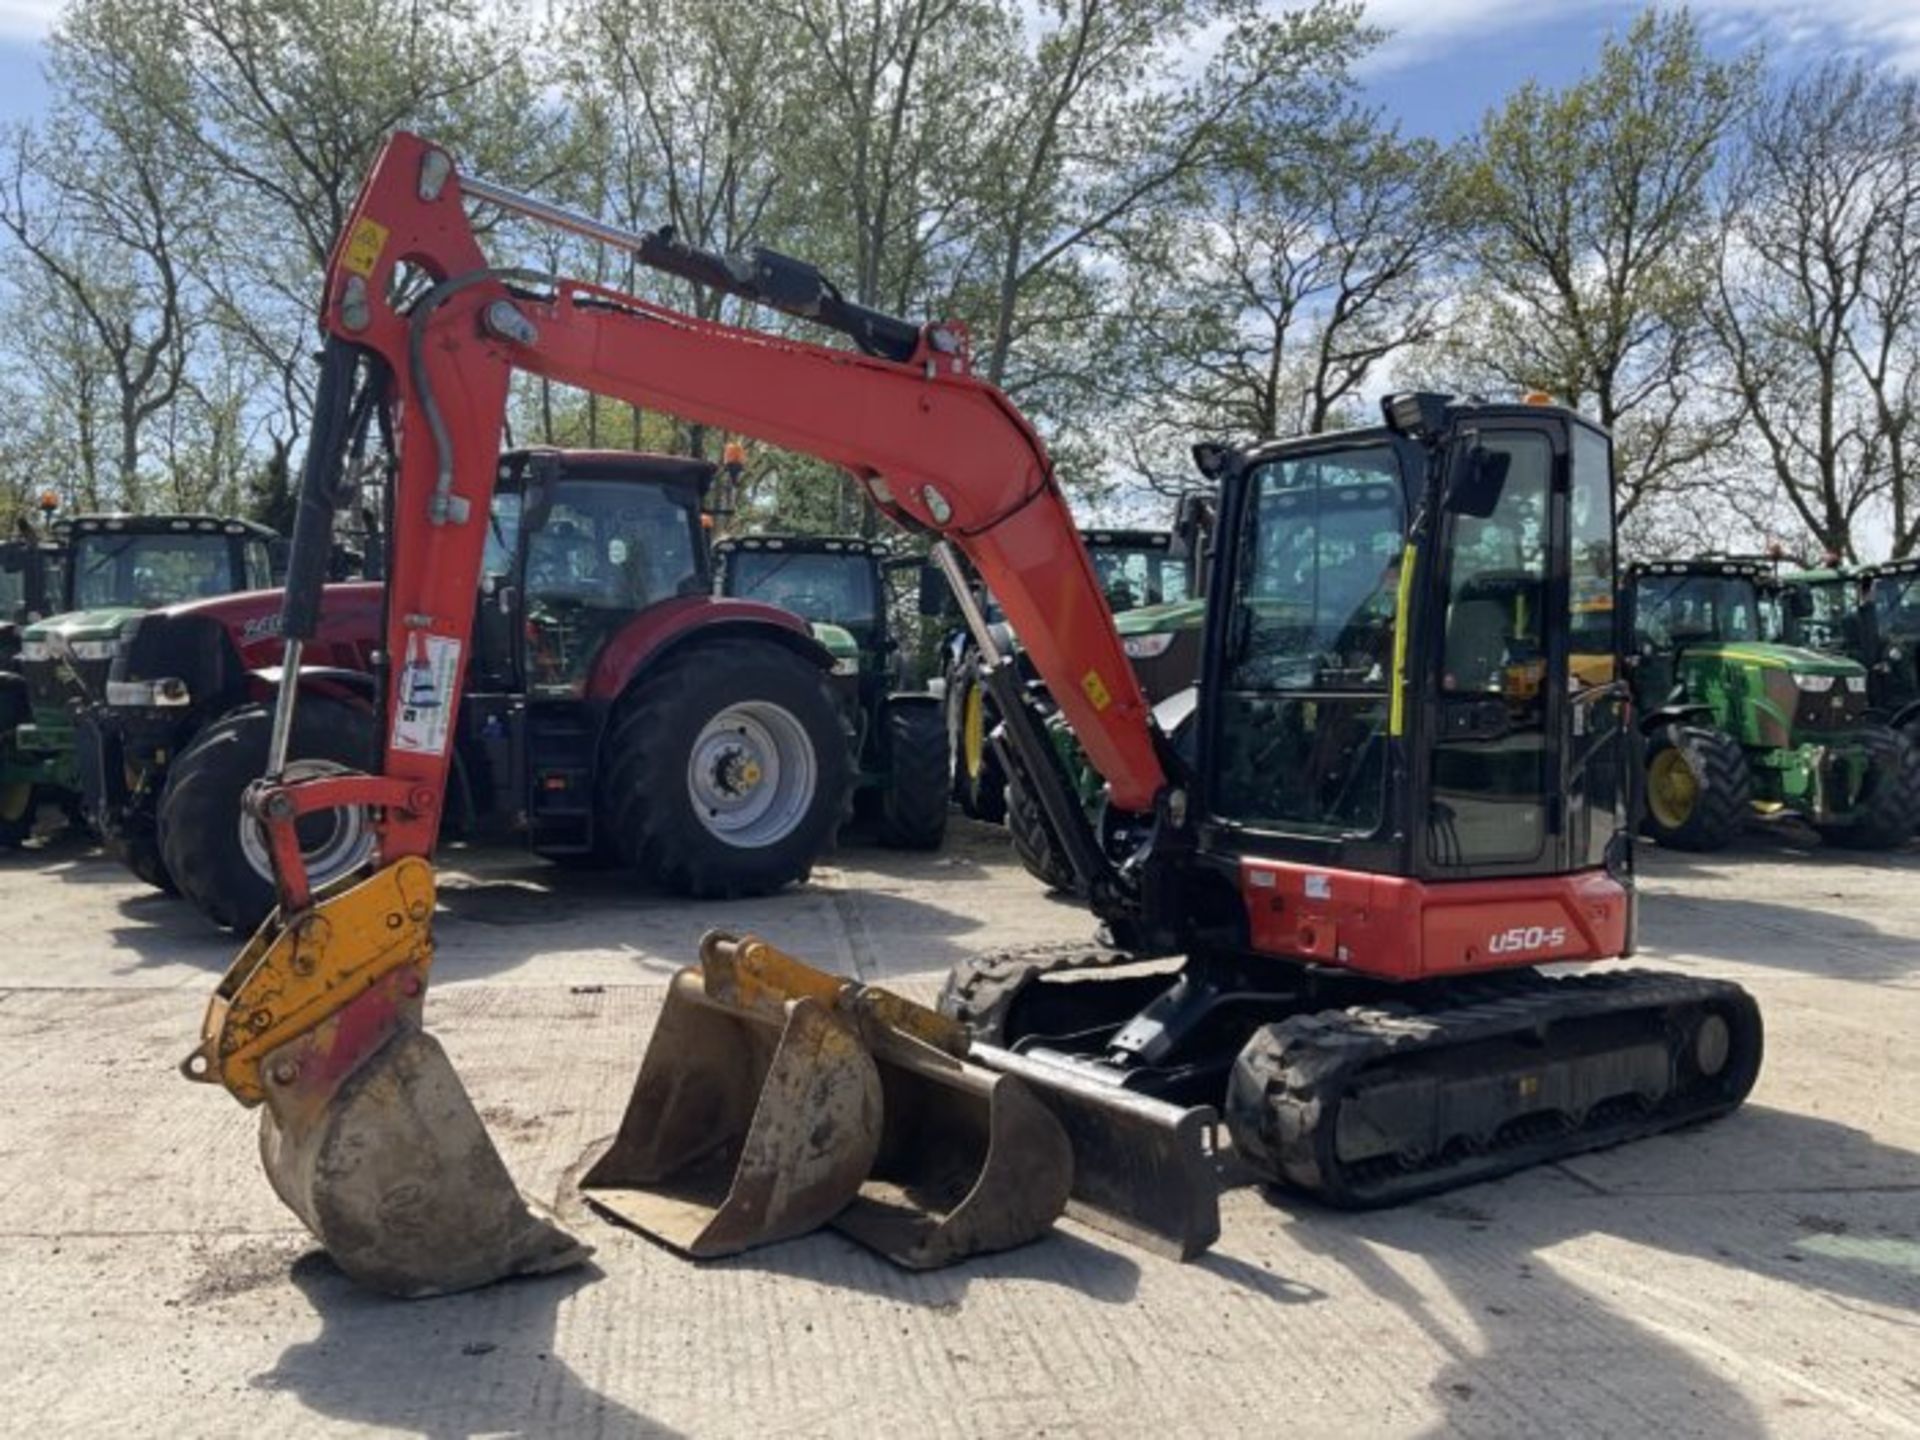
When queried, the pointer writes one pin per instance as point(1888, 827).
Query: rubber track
point(980, 991)
point(1284, 1101)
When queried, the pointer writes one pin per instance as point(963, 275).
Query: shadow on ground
point(1502, 1272)
point(379, 1364)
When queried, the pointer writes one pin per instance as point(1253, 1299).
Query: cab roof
point(161, 525)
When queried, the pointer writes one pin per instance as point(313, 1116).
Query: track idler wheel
point(367, 1133)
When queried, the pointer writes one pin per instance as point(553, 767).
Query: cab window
point(1303, 727)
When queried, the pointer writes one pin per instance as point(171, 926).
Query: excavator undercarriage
point(1406, 790)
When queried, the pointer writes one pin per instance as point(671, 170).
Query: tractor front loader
point(1407, 792)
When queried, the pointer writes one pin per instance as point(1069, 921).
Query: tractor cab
point(578, 544)
point(1869, 614)
point(1139, 567)
point(841, 586)
point(116, 567)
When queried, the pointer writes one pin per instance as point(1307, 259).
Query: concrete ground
point(1761, 1274)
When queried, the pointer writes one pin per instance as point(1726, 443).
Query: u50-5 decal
point(1527, 937)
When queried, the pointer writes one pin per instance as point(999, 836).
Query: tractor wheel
point(1033, 839)
point(912, 805)
point(216, 853)
point(1699, 790)
point(1890, 803)
point(141, 855)
point(19, 804)
point(724, 771)
point(979, 784)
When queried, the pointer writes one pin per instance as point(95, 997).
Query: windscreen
point(1310, 655)
point(1896, 604)
point(1132, 577)
point(1674, 610)
point(147, 571)
point(835, 588)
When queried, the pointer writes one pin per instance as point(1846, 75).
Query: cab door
point(1600, 762)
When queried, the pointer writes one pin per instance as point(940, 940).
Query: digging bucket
point(756, 1115)
point(366, 1132)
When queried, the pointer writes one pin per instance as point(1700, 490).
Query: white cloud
point(1888, 29)
point(27, 19)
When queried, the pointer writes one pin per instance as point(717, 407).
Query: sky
point(1445, 64)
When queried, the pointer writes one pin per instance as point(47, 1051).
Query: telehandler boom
point(1404, 796)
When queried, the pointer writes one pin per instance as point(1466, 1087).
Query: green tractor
point(898, 732)
point(116, 568)
point(1153, 581)
point(1737, 726)
point(1869, 614)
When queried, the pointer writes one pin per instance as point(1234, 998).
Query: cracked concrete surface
point(1761, 1274)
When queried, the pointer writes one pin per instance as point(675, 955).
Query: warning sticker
point(364, 244)
point(427, 698)
point(1096, 689)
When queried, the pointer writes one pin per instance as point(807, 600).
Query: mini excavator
point(1327, 884)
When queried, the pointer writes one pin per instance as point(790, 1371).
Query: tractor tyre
point(19, 804)
point(724, 771)
point(1890, 802)
point(1033, 839)
point(216, 853)
point(912, 806)
point(140, 854)
point(1699, 791)
point(979, 784)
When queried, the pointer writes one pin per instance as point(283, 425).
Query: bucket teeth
point(774, 1098)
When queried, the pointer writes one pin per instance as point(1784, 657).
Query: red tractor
point(613, 709)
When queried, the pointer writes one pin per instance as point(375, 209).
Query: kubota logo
point(1527, 937)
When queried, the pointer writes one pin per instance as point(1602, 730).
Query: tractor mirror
point(936, 597)
point(1477, 483)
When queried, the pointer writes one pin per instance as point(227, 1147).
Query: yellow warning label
point(1096, 689)
point(364, 244)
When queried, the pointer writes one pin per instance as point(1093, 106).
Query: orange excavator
point(1327, 883)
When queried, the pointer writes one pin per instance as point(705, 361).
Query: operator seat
point(1476, 644)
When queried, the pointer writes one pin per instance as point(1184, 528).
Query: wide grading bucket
point(367, 1133)
point(775, 1098)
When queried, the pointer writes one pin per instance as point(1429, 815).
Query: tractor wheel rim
point(973, 732)
point(1672, 789)
point(752, 774)
point(346, 846)
point(15, 800)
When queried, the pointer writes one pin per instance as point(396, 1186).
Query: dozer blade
point(367, 1134)
point(755, 1117)
point(1143, 1169)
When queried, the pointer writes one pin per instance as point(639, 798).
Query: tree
point(1592, 247)
point(1819, 299)
point(1307, 270)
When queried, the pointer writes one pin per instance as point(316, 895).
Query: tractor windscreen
point(111, 570)
point(1132, 577)
point(1696, 609)
point(823, 586)
point(603, 551)
point(1309, 667)
point(1896, 605)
